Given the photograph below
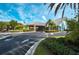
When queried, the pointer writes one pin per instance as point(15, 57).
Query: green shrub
point(15, 30)
point(56, 46)
point(73, 36)
point(19, 27)
point(49, 31)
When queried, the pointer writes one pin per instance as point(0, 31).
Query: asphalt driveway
point(20, 43)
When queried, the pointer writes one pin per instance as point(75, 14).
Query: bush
point(73, 36)
point(57, 47)
point(25, 30)
point(49, 31)
point(19, 27)
point(15, 30)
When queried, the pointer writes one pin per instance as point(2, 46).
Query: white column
point(34, 27)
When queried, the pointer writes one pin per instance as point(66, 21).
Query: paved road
point(63, 33)
point(20, 43)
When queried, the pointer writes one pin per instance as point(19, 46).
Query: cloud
point(21, 13)
point(44, 18)
point(4, 16)
point(27, 13)
point(24, 13)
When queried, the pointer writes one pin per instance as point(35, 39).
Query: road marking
point(25, 41)
point(51, 33)
point(4, 36)
point(8, 39)
point(31, 42)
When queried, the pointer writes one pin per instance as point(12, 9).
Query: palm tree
point(74, 6)
point(51, 25)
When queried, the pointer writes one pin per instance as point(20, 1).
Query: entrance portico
point(37, 26)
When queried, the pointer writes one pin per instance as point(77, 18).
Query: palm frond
point(63, 5)
point(78, 12)
point(71, 5)
point(63, 10)
point(57, 8)
point(51, 6)
point(74, 7)
point(45, 3)
point(78, 7)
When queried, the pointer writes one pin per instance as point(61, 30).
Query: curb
point(33, 48)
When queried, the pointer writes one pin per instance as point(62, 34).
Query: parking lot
point(20, 43)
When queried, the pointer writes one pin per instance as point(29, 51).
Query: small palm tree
point(51, 25)
point(63, 6)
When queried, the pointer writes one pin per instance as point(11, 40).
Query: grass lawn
point(56, 36)
point(56, 46)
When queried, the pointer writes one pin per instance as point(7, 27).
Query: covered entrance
point(37, 27)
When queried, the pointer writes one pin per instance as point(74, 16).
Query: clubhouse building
point(61, 23)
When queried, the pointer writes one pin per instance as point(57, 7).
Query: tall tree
point(13, 24)
point(3, 26)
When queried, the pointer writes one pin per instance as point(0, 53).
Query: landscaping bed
point(51, 31)
point(56, 46)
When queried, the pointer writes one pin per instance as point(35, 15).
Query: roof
point(59, 21)
point(37, 24)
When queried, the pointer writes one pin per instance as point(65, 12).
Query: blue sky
point(29, 13)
